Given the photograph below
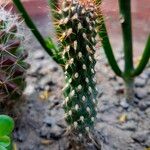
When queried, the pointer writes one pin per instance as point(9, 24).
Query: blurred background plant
point(130, 72)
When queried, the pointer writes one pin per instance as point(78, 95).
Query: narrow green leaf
point(33, 28)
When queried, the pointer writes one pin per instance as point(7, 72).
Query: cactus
point(12, 55)
point(75, 23)
point(76, 31)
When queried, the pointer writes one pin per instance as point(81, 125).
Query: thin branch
point(33, 28)
point(144, 60)
point(108, 49)
point(125, 20)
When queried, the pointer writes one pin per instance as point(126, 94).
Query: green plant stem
point(125, 19)
point(36, 33)
point(129, 90)
point(144, 60)
point(108, 49)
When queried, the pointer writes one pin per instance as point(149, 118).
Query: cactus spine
point(12, 55)
point(77, 37)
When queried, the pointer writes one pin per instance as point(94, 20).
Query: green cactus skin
point(12, 55)
point(77, 25)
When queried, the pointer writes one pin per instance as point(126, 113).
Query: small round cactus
point(12, 55)
point(76, 24)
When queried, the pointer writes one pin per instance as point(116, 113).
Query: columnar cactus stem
point(77, 29)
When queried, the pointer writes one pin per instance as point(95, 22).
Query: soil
point(40, 123)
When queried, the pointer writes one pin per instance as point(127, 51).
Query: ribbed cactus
point(12, 55)
point(75, 22)
point(76, 29)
